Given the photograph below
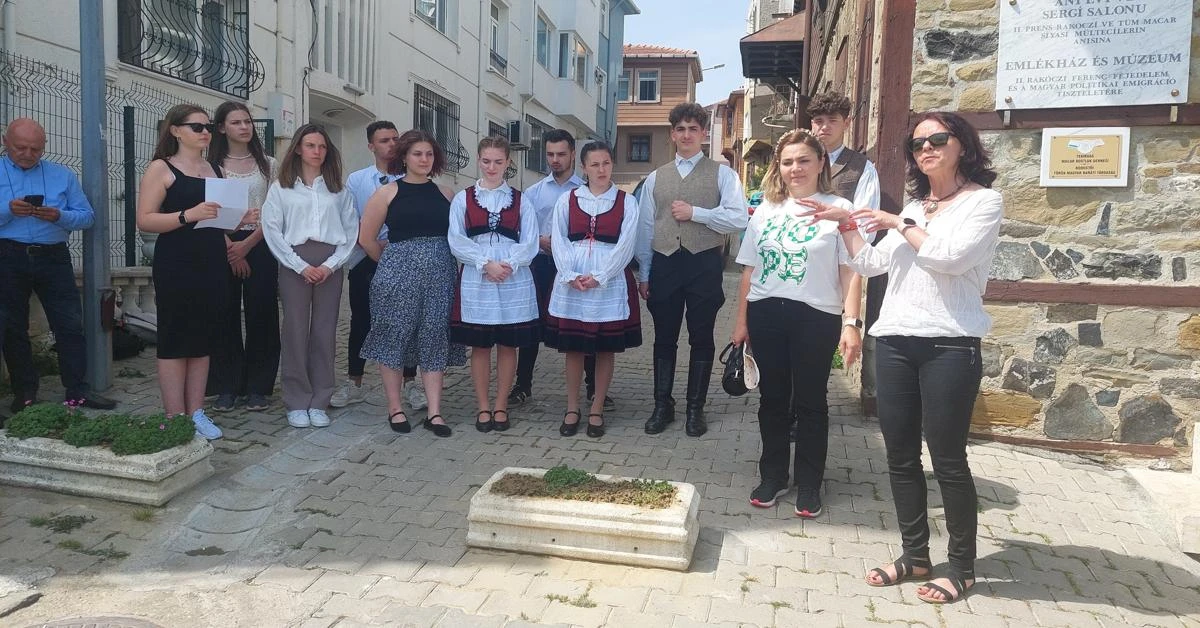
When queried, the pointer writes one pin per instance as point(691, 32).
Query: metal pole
point(128, 139)
point(93, 119)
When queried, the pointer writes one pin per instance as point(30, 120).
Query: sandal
point(569, 429)
point(401, 427)
point(497, 424)
point(440, 430)
point(484, 426)
point(905, 570)
point(959, 584)
point(594, 430)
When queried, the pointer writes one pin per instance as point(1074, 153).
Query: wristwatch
point(852, 322)
point(908, 222)
point(182, 218)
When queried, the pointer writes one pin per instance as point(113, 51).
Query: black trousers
point(543, 271)
point(249, 367)
point(685, 281)
point(929, 385)
point(360, 317)
point(46, 271)
point(793, 344)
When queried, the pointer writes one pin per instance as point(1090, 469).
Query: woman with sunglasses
point(190, 271)
point(794, 292)
point(246, 370)
point(937, 253)
point(309, 222)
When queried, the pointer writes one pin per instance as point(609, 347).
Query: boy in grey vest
point(687, 207)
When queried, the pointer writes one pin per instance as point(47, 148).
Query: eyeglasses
point(198, 127)
point(937, 139)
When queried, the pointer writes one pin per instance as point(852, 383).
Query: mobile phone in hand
point(34, 199)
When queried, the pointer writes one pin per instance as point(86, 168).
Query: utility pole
point(96, 272)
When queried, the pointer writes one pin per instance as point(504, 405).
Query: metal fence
point(51, 95)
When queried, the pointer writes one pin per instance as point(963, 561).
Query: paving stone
point(289, 578)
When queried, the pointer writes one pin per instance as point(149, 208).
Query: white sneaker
point(318, 418)
point(415, 396)
point(204, 425)
point(348, 393)
point(298, 418)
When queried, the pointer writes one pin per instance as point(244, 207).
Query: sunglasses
point(198, 127)
point(937, 139)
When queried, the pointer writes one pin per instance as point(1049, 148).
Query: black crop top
point(419, 210)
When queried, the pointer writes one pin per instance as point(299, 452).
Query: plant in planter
point(142, 459)
point(572, 513)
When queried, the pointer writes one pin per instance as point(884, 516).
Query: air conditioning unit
point(518, 134)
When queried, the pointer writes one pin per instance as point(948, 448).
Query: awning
point(775, 52)
point(755, 145)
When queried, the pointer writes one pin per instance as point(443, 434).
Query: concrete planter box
point(151, 479)
point(611, 533)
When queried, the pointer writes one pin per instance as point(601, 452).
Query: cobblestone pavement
point(353, 525)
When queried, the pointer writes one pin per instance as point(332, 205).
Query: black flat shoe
point(484, 426)
point(401, 427)
point(438, 429)
point(569, 429)
point(593, 430)
point(500, 426)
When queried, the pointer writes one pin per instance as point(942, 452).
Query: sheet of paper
point(234, 198)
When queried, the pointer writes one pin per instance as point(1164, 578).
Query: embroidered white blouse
point(605, 262)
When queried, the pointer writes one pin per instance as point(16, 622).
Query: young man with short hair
point(559, 145)
point(382, 136)
point(688, 207)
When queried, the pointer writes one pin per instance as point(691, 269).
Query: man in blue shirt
point(41, 202)
point(382, 138)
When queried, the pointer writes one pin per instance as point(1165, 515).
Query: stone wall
point(1067, 371)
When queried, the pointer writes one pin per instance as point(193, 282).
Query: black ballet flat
point(401, 427)
point(484, 426)
point(500, 426)
point(569, 429)
point(439, 429)
point(595, 431)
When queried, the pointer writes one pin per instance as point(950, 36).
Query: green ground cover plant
point(563, 482)
point(124, 434)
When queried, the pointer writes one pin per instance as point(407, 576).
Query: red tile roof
point(651, 50)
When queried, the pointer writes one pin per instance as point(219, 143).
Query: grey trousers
point(309, 331)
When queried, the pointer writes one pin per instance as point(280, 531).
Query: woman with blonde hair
point(494, 234)
point(309, 222)
point(795, 306)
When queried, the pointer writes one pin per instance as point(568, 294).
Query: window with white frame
point(439, 116)
point(639, 148)
point(604, 18)
point(433, 12)
point(535, 157)
point(564, 55)
point(542, 49)
point(582, 61)
point(602, 88)
point(623, 94)
point(647, 86)
point(497, 36)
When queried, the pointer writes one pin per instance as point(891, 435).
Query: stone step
point(1177, 497)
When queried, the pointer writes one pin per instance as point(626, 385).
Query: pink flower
point(161, 426)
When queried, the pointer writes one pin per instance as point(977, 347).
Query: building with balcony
point(653, 80)
point(772, 58)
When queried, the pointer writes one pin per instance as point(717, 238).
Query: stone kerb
point(612, 533)
point(151, 479)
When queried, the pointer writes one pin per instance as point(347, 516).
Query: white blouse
point(295, 215)
point(937, 291)
point(794, 258)
point(258, 185)
point(604, 261)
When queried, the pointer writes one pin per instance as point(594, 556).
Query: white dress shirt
point(866, 193)
point(295, 215)
point(730, 216)
point(362, 185)
point(545, 193)
point(937, 291)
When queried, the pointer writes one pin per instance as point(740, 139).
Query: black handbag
point(734, 378)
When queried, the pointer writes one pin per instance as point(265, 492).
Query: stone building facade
point(1095, 292)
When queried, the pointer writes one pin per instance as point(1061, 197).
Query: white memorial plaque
point(1093, 53)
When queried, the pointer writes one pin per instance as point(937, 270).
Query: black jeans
point(47, 272)
point(360, 317)
point(929, 385)
point(543, 271)
point(249, 367)
point(793, 344)
point(691, 280)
